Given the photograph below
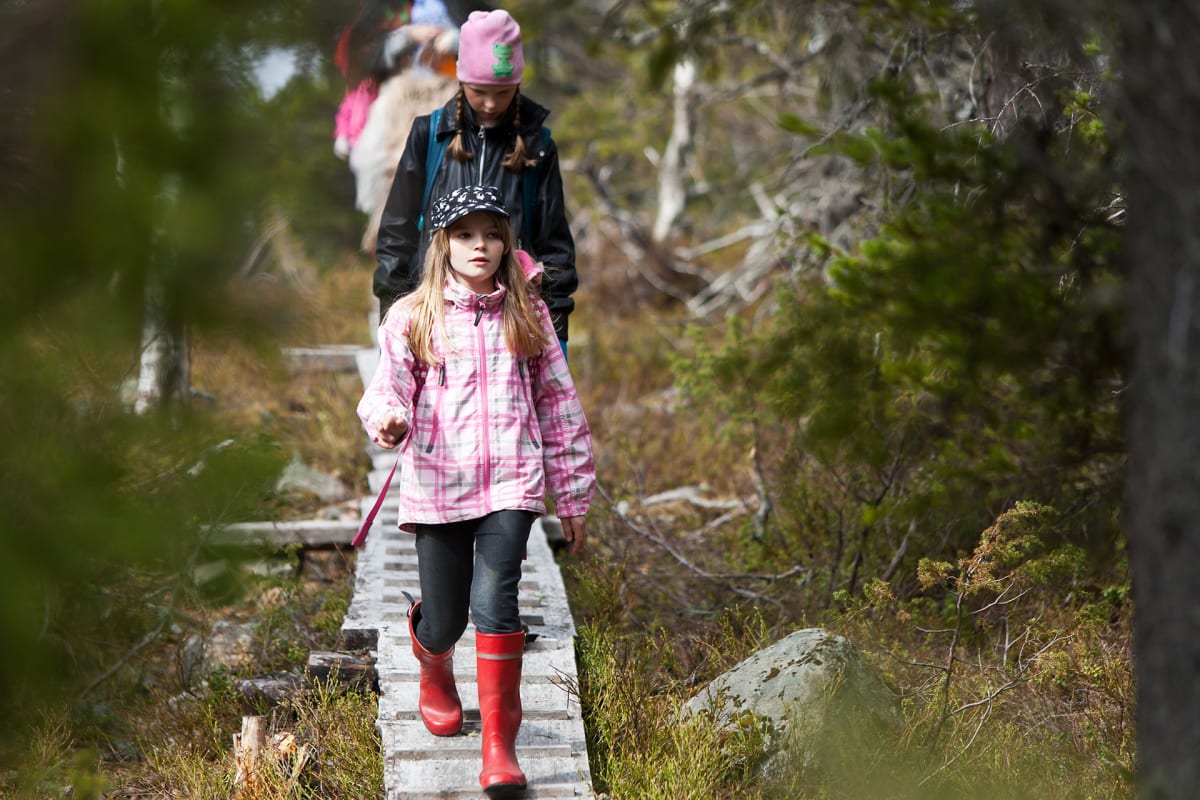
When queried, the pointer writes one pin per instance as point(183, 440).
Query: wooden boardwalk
point(550, 745)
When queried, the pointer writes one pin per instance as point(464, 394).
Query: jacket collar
point(533, 116)
point(460, 296)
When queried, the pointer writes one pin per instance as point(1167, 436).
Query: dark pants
point(472, 566)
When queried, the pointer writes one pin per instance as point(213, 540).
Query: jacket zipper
point(485, 428)
point(482, 158)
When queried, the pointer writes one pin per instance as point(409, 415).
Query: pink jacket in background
point(490, 431)
point(352, 112)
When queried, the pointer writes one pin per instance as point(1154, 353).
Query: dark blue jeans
point(472, 566)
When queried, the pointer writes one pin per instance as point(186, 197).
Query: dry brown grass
point(310, 414)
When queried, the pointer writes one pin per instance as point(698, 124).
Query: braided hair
point(514, 161)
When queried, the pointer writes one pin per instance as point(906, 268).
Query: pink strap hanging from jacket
point(365, 528)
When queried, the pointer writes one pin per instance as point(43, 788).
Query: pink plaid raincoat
point(490, 431)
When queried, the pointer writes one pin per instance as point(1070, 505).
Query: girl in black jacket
point(490, 134)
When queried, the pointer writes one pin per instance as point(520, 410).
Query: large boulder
point(809, 691)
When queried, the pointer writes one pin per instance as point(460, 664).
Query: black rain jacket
point(401, 248)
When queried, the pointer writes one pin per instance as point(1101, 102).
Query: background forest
point(852, 335)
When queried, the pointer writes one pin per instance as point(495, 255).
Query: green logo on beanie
point(503, 67)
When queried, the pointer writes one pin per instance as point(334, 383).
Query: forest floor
point(654, 597)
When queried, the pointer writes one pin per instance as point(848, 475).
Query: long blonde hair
point(523, 331)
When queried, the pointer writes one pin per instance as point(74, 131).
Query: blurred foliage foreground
point(140, 164)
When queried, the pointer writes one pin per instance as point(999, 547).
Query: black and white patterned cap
point(457, 204)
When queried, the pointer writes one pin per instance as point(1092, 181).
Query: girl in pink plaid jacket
point(471, 382)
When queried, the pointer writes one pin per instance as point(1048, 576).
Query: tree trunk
point(164, 374)
point(672, 191)
point(1161, 113)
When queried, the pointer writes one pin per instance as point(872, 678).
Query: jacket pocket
point(434, 405)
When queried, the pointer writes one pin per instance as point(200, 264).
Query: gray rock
point(302, 479)
point(810, 690)
point(230, 644)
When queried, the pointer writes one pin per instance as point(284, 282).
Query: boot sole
point(505, 791)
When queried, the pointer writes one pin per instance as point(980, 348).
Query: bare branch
point(764, 501)
point(970, 742)
point(899, 554)
point(690, 494)
point(1000, 601)
point(783, 66)
point(277, 226)
point(726, 579)
point(754, 230)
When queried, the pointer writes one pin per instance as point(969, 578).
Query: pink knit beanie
point(489, 49)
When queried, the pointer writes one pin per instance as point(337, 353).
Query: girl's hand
point(390, 431)
point(575, 532)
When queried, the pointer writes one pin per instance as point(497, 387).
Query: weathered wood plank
point(323, 358)
point(349, 668)
point(306, 532)
point(272, 688)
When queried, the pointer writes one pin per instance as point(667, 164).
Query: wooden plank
point(323, 358)
point(349, 668)
point(271, 689)
point(313, 533)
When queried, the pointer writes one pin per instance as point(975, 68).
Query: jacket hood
point(532, 269)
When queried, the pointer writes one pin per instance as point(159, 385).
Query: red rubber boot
point(441, 710)
point(498, 660)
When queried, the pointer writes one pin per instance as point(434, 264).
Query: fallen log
point(355, 670)
point(273, 688)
